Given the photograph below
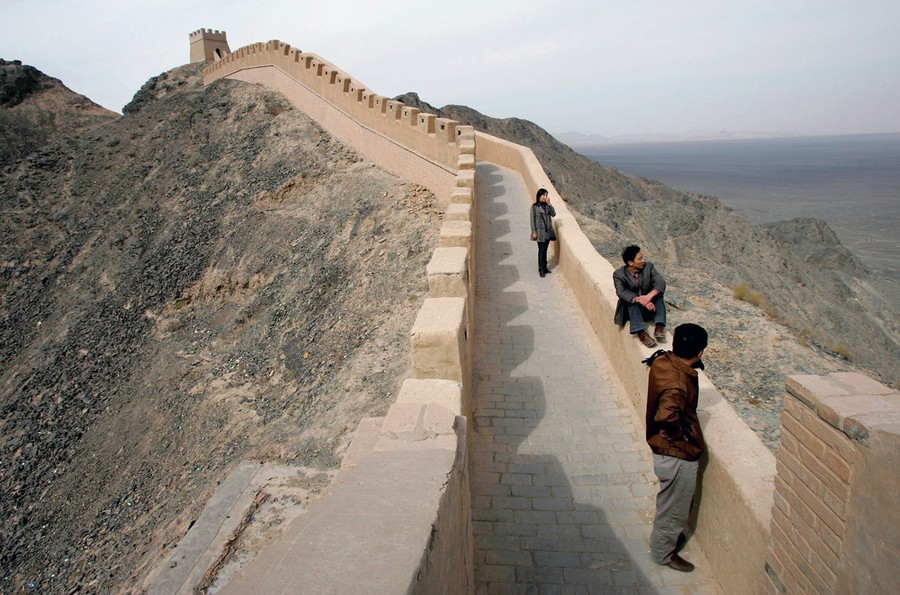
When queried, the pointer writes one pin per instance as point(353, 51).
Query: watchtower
point(208, 45)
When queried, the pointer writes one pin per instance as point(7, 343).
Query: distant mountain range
point(799, 266)
point(578, 139)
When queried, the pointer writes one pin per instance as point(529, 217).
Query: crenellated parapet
point(210, 34)
point(355, 114)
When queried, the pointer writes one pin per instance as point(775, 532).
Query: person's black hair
point(689, 340)
point(540, 193)
point(630, 253)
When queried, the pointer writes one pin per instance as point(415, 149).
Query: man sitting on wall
point(640, 289)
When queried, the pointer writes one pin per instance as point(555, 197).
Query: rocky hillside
point(208, 278)
point(782, 298)
point(211, 277)
point(36, 109)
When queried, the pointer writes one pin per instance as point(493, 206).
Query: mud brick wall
point(416, 146)
point(835, 515)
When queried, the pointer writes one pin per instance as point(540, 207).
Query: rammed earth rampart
point(831, 498)
point(417, 146)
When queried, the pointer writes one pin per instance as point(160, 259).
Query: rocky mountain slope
point(36, 109)
point(208, 278)
point(211, 277)
point(782, 298)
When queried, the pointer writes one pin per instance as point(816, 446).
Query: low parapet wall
point(400, 507)
point(837, 468)
point(737, 482)
point(405, 476)
point(430, 415)
point(417, 146)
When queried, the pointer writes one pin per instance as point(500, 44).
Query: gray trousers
point(677, 481)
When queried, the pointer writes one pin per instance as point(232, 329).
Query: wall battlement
point(211, 34)
point(424, 433)
point(834, 521)
point(752, 546)
point(326, 93)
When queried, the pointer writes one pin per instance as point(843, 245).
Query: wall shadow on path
point(533, 533)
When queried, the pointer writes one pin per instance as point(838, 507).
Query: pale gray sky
point(594, 66)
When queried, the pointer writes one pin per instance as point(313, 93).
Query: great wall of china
point(819, 517)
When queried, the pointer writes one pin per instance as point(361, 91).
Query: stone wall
point(422, 442)
point(737, 478)
point(835, 520)
point(837, 470)
point(416, 146)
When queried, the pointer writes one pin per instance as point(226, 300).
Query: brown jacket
point(673, 428)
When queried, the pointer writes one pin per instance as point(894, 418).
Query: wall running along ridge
point(429, 417)
point(416, 456)
point(416, 146)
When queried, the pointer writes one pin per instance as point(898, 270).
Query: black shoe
point(542, 274)
point(678, 563)
point(547, 272)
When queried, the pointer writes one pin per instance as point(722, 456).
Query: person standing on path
point(542, 227)
point(640, 289)
point(676, 439)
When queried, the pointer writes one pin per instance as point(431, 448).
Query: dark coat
point(627, 289)
point(540, 221)
point(673, 392)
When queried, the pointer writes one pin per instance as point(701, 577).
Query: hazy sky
point(593, 66)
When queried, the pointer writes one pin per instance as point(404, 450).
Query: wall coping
point(738, 480)
point(438, 139)
point(850, 402)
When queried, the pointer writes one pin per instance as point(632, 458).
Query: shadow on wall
point(533, 525)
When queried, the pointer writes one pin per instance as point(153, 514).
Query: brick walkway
point(562, 482)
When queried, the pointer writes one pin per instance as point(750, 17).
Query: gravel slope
point(209, 278)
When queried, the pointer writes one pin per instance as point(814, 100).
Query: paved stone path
point(562, 482)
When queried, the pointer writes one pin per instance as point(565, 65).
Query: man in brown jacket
point(675, 437)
